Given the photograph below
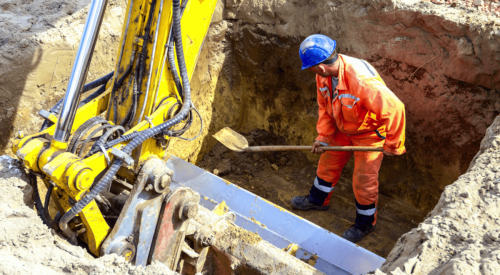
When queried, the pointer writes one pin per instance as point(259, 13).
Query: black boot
point(355, 233)
point(303, 203)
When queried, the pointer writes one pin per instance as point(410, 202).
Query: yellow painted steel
point(130, 52)
point(221, 208)
point(29, 153)
point(72, 175)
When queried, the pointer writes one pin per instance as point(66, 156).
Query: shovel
point(238, 143)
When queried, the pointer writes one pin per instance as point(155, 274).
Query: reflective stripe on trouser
point(365, 215)
point(365, 176)
point(320, 191)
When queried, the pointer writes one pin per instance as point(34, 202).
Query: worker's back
point(361, 99)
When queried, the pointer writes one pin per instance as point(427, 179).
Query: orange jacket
point(361, 106)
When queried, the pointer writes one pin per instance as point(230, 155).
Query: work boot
point(355, 234)
point(303, 203)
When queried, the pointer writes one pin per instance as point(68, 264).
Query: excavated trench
point(439, 61)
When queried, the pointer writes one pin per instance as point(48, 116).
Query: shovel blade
point(231, 139)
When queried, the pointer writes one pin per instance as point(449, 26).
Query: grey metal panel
point(312, 238)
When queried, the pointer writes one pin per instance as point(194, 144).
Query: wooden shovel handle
point(306, 147)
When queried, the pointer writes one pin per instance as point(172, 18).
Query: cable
point(90, 137)
point(171, 59)
point(142, 136)
point(46, 205)
point(87, 87)
point(201, 127)
point(92, 96)
point(106, 135)
point(38, 202)
point(84, 128)
point(114, 142)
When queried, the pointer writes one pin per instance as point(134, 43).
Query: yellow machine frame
point(72, 175)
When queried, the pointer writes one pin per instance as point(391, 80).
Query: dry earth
point(420, 49)
point(38, 43)
point(442, 61)
point(278, 176)
point(27, 246)
point(461, 234)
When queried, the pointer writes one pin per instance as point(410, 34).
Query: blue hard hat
point(315, 49)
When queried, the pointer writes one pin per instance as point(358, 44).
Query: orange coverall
point(359, 111)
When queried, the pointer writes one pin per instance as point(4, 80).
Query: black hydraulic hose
point(135, 96)
point(171, 58)
point(91, 136)
point(130, 114)
point(38, 202)
point(142, 56)
point(118, 84)
point(141, 137)
point(87, 87)
point(80, 132)
point(92, 96)
point(46, 204)
point(113, 143)
point(173, 68)
point(96, 83)
point(102, 140)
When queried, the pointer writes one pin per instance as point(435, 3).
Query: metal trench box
point(278, 226)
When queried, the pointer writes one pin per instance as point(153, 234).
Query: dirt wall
point(38, 44)
point(442, 62)
point(460, 235)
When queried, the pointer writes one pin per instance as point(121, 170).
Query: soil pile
point(461, 234)
point(278, 176)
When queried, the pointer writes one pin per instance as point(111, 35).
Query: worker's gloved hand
point(316, 148)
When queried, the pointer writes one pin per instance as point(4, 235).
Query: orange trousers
point(365, 176)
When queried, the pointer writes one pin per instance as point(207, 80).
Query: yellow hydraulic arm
point(78, 154)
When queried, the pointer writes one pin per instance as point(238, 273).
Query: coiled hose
point(141, 136)
point(171, 58)
point(171, 61)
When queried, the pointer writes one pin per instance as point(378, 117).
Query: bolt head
point(165, 181)
point(191, 210)
point(84, 180)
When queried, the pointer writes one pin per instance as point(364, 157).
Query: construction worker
point(355, 109)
